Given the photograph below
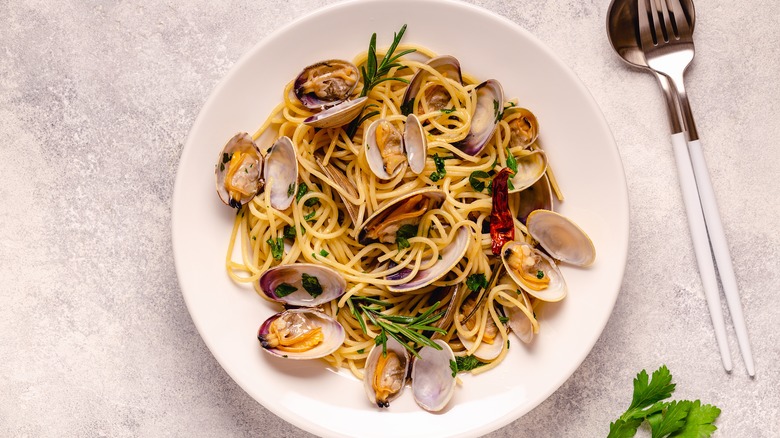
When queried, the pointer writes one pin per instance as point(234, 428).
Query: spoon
point(621, 25)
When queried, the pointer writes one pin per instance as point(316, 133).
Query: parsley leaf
point(476, 184)
point(309, 216)
point(440, 170)
point(277, 247)
point(670, 420)
point(454, 367)
point(699, 421)
point(284, 289)
point(312, 285)
point(468, 363)
point(496, 112)
point(289, 232)
point(476, 282)
point(447, 110)
point(290, 189)
point(324, 253)
point(302, 190)
point(405, 232)
point(511, 162)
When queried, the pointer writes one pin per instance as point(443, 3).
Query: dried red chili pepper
point(502, 225)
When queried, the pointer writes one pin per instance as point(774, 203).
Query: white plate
point(582, 152)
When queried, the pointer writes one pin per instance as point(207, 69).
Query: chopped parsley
point(503, 320)
point(447, 110)
point(312, 285)
point(277, 247)
point(226, 157)
point(496, 111)
point(324, 253)
point(440, 170)
point(309, 216)
point(468, 363)
point(403, 234)
point(302, 190)
point(476, 183)
point(511, 162)
point(454, 367)
point(476, 282)
point(361, 351)
point(539, 274)
point(289, 232)
point(290, 189)
point(284, 289)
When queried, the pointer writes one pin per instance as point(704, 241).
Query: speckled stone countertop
point(97, 98)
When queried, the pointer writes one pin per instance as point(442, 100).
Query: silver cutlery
point(657, 36)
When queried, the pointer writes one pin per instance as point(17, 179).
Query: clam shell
point(529, 131)
point(371, 363)
point(531, 166)
point(485, 352)
point(556, 289)
point(281, 173)
point(490, 102)
point(415, 144)
point(518, 320)
point(332, 283)
point(561, 238)
point(537, 197)
point(341, 184)
point(311, 100)
point(240, 142)
point(446, 65)
point(333, 335)
point(433, 381)
point(374, 154)
point(450, 256)
point(379, 215)
point(338, 115)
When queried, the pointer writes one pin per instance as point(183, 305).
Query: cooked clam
point(408, 209)
point(523, 127)
point(490, 101)
point(561, 238)
point(433, 380)
point(281, 173)
point(300, 334)
point(302, 284)
point(519, 320)
point(238, 171)
point(388, 151)
point(338, 115)
point(385, 373)
point(326, 83)
point(436, 95)
point(533, 271)
point(531, 167)
point(537, 197)
point(492, 340)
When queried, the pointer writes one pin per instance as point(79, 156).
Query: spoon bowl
point(621, 29)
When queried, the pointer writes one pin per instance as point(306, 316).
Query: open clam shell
point(238, 171)
point(384, 376)
point(537, 197)
point(519, 321)
point(326, 83)
point(338, 115)
point(531, 166)
point(523, 127)
point(533, 271)
point(561, 238)
point(447, 65)
point(384, 149)
point(300, 334)
point(450, 256)
point(488, 348)
point(490, 102)
point(433, 380)
point(415, 144)
point(302, 284)
point(386, 220)
point(281, 172)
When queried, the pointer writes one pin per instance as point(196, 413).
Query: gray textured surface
point(96, 99)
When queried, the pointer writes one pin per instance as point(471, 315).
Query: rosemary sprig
point(373, 72)
point(402, 328)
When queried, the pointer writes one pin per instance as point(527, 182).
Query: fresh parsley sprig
point(682, 419)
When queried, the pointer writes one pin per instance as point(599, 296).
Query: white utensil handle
point(701, 244)
point(721, 250)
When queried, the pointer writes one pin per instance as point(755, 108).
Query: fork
point(667, 42)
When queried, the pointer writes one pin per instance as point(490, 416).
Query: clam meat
point(385, 373)
point(238, 171)
point(492, 341)
point(406, 210)
point(300, 334)
point(533, 271)
point(326, 83)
